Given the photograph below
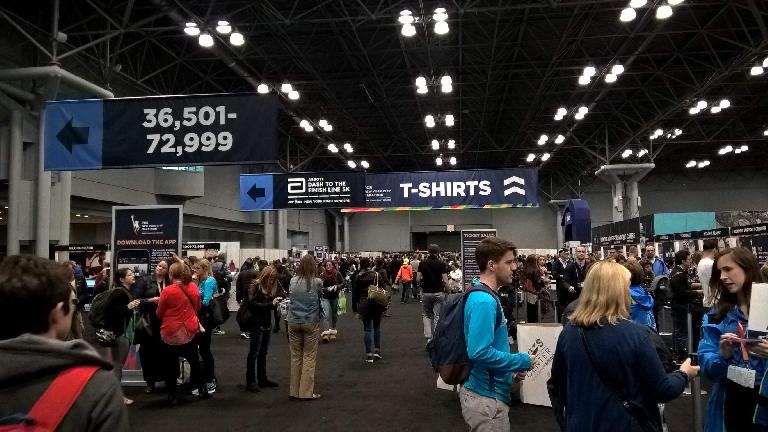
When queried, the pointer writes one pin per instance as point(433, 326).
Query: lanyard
point(743, 345)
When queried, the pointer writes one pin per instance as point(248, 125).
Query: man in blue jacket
point(485, 396)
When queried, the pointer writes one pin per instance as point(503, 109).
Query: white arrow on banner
point(514, 189)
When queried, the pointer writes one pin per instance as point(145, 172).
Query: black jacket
point(364, 279)
point(681, 288)
point(573, 276)
point(244, 279)
point(262, 308)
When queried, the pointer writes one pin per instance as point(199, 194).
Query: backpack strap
point(487, 290)
point(51, 408)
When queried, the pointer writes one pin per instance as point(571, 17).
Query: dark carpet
point(396, 394)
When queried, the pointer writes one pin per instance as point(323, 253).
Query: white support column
point(269, 230)
point(65, 179)
point(346, 232)
point(282, 230)
point(43, 207)
point(617, 201)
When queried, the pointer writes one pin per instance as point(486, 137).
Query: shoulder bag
point(635, 410)
point(376, 293)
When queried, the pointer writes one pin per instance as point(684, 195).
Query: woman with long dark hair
point(157, 360)
point(369, 312)
point(264, 295)
point(734, 404)
point(304, 313)
point(332, 285)
point(533, 284)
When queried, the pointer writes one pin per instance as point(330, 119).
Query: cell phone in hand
point(694, 359)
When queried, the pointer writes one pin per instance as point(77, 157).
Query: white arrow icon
point(514, 189)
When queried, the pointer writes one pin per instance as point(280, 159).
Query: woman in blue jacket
point(603, 360)
point(733, 406)
point(641, 309)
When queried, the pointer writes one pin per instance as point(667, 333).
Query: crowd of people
point(611, 369)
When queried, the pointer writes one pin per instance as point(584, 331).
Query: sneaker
point(377, 356)
point(245, 335)
point(252, 387)
point(211, 386)
point(218, 332)
point(369, 358)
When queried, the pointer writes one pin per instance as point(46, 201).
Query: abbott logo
point(297, 185)
point(514, 180)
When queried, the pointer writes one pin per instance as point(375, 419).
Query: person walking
point(369, 312)
point(606, 373)
point(736, 368)
point(180, 327)
point(333, 283)
point(304, 315)
point(208, 287)
point(262, 299)
point(434, 278)
point(405, 277)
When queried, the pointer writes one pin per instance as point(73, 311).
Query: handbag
point(635, 410)
point(106, 338)
point(215, 311)
point(244, 316)
point(378, 294)
point(144, 326)
point(182, 336)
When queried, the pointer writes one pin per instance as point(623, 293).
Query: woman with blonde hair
point(208, 287)
point(606, 373)
point(262, 299)
point(304, 315)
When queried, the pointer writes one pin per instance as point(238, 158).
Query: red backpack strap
point(59, 397)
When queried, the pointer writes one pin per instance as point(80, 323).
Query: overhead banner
point(469, 241)
point(160, 131)
point(356, 192)
point(142, 236)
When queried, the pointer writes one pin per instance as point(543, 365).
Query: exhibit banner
point(90, 257)
point(539, 341)
point(160, 131)
point(750, 230)
point(712, 233)
point(142, 236)
point(357, 192)
point(469, 241)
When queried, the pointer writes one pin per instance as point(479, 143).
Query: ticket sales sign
point(160, 131)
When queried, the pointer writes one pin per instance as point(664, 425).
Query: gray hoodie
point(29, 365)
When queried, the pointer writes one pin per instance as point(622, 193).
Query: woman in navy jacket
point(732, 406)
point(603, 359)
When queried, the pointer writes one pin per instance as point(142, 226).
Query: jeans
point(483, 414)
point(257, 354)
point(334, 308)
point(431, 304)
point(204, 345)
point(303, 340)
point(372, 324)
point(189, 352)
point(404, 294)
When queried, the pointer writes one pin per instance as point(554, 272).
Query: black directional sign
point(160, 131)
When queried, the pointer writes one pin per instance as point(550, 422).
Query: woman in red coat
point(177, 310)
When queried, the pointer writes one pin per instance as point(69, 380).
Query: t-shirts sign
point(469, 241)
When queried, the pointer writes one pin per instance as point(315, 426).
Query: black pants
point(204, 345)
point(189, 352)
point(680, 331)
point(257, 355)
point(739, 408)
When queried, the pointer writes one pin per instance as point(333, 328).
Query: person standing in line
point(641, 309)
point(657, 264)
point(243, 282)
point(606, 372)
point(262, 299)
point(704, 269)
point(434, 277)
point(405, 277)
point(180, 326)
point(208, 287)
point(38, 303)
point(333, 283)
point(368, 312)
point(736, 368)
point(632, 253)
point(485, 396)
point(558, 271)
point(118, 311)
point(533, 283)
point(575, 273)
point(157, 360)
point(304, 314)
point(456, 278)
point(683, 296)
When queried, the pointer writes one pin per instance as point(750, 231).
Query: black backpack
point(220, 274)
point(100, 306)
point(448, 347)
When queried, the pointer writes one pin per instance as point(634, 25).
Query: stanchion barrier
point(698, 419)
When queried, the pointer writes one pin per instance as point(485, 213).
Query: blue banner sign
point(160, 131)
point(513, 187)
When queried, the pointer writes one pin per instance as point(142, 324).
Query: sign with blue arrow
point(160, 131)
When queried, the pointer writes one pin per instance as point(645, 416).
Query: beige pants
point(303, 340)
point(483, 414)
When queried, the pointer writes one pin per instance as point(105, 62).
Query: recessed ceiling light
point(663, 12)
point(627, 15)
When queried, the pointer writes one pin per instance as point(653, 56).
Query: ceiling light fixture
point(694, 110)
point(364, 164)
point(530, 157)
point(725, 103)
point(610, 78)
point(451, 144)
point(236, 39)
point(441, 21)
point(304, 123)
point(617, 69)
point(663, 12)
point(223, 27)
point(262, 89)
point(328, 128)
point(744, 147)
point(579, 116)
point(642, 152)
point(452, 160)
point(627, 153)
point(627, 15)
point(702, 104)
point(545, 157)
point(332, 148)
point(449, 120)
point(584, 80)
point(715, 109)
point(352, 164)
point(430, 121)
point(322, 123)
point(559, 139)
point(439, 161)
point(192, 29)
point(205, 40)
point(674, 2)
point(756, 70)
point(635, 4)
point(703, 164)
point(286, 88)
point(435, 144)
point(543, 139)
point(293, 95)
point(690, 164)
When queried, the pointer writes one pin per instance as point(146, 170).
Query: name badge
point(742, 376)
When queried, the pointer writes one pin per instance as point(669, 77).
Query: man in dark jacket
point(683, 297)
point(37, 303)
point(558, 271)
point(573, 279)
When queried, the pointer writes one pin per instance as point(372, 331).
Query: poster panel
point(469, 241)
